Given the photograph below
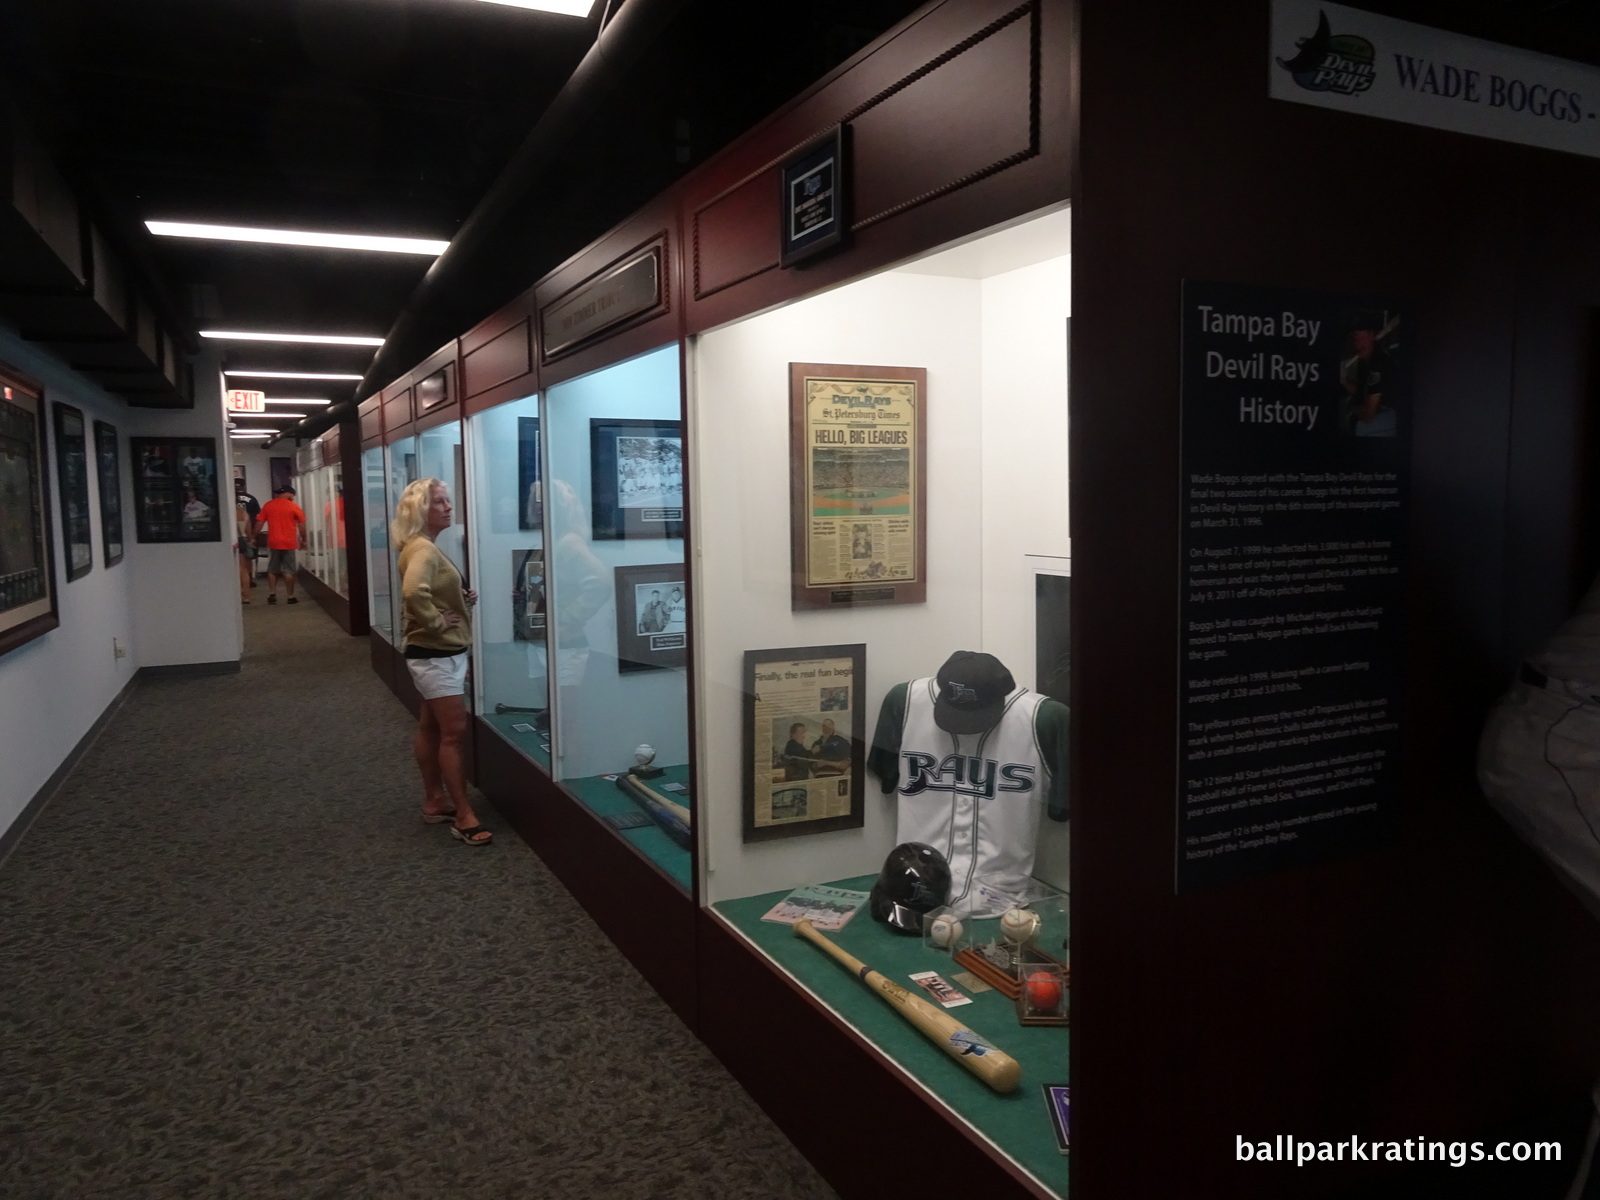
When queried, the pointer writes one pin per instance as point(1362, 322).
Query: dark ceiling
point(381, 116)
point(397, 116)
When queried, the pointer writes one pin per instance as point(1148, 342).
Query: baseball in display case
point(879, 484)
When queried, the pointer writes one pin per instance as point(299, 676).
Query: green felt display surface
point(604, 797)
point(1018, 1123)
point(526, 743)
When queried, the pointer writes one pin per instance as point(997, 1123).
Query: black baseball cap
point(973, 687)
point(286, 490)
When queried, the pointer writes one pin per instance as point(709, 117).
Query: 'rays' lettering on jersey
point(962, 774)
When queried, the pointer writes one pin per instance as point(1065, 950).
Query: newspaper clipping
point(860, 435)
point(806, 756)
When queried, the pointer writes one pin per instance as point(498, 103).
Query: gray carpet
point(235, 963)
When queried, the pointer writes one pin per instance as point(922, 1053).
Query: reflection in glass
point(377, 516)
point(510, 664)
point(615, 518)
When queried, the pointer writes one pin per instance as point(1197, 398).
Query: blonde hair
point(411, 513)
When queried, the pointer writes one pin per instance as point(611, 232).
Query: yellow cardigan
point(431, 586)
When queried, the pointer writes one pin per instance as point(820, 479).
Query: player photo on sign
point(803, 740)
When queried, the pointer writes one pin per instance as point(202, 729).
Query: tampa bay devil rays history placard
point(1296, 424)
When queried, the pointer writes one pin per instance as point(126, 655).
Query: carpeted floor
point(235, 963)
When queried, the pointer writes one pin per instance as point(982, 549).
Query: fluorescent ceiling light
point(262, 433)
point(298, 237)
point(319, 338)
point(270, 400)
point(565, 8)
point(292, 375)
point(272, 416)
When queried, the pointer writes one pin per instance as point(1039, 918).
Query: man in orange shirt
point(285, 524)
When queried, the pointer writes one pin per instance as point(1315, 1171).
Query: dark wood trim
point(655, 246)
point(499, 357)
point(649, 917)
point(880, 1121)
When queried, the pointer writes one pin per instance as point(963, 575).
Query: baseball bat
point(972, 1050)
point(674, 819)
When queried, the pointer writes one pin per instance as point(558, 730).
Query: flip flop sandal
point(470, 836)
point(439, 818)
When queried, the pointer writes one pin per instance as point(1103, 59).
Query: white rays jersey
point(975, 797)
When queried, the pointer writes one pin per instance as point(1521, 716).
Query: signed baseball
point(1044, 991)
point(1018, 925)
point(644, 754)
point(944, 932)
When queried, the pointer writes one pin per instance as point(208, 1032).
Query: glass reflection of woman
point(437, 634)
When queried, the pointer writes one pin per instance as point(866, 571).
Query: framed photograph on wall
point(636, 478)
point(27, 561)
point(530, 483)
point(804, 740)
point(652, 617)
point(108, 461)
point(72, 476)
point(175, 489)
point(527, 596)
point(858, 487)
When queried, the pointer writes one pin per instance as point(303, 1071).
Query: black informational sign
point(1296, 422)
point(812, 203)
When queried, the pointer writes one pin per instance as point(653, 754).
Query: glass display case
point(322, 499)
point(431, 454)
point(881, 530)
point(378, 566)
point(618, 600)
point(510, 656)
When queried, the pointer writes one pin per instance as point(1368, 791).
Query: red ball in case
point(1043, 990)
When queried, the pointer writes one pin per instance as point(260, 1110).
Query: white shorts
point(437, 678)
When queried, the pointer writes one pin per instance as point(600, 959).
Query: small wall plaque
point(812, 204)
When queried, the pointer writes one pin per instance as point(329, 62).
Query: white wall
point(177, 607)
point(994, 345)
point(600, 719)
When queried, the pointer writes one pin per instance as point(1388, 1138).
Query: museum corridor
point(236, 964)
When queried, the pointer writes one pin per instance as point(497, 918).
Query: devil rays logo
point(1332, 62)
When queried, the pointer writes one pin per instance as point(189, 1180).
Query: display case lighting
point(320, 339)
point(298, 237)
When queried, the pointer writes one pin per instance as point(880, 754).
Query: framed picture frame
point(811, 204)
point(804, 740)
point(858, 485)
point(528, 596)
point(72, 477)
point(530, 476)
point(108, 463)
point(28, 602)
point(652, 617)
point(175, 489)
point(636, 478)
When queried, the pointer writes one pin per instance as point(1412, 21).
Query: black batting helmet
point(915, 880)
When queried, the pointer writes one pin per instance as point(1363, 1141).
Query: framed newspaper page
point(804, 740)
point(858, 489)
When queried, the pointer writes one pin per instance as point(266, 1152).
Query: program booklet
point(827, 908)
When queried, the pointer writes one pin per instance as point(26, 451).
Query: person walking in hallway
point(285, 524)
point(247, 511)
point(437, 631)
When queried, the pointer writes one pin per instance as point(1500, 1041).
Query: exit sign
point(251, 402)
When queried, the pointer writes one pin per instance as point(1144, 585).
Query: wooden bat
point(673, 818)
point(972, 1050)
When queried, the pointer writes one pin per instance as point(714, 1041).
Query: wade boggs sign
point(1330, 56)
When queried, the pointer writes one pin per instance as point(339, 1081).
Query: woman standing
point(437, 632)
